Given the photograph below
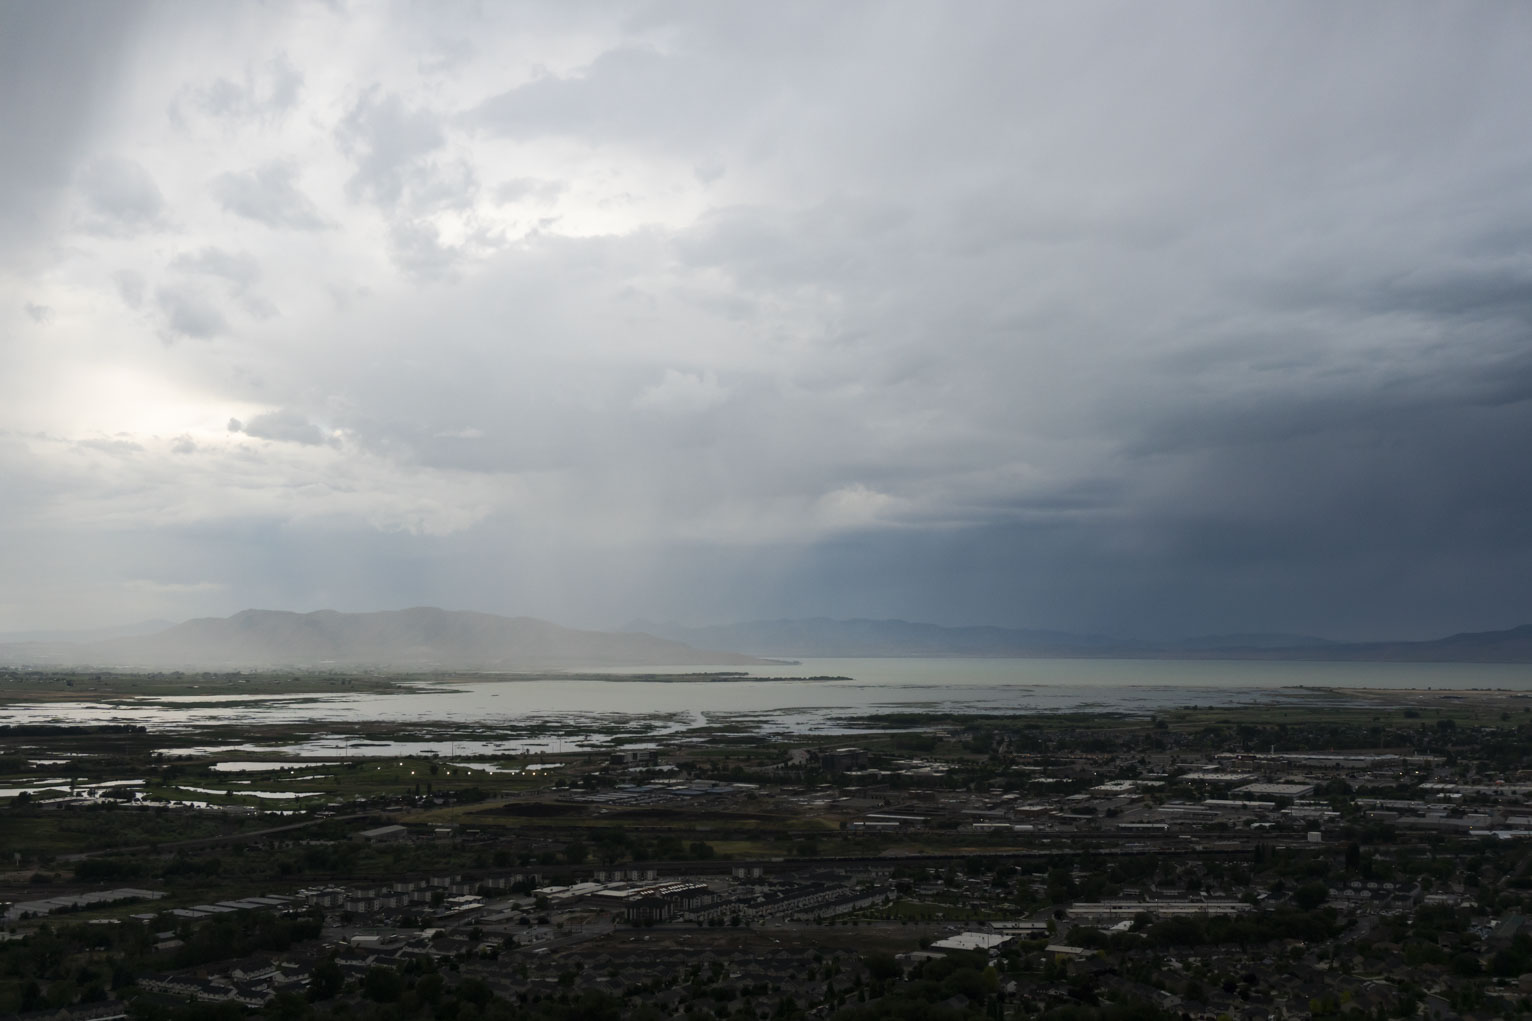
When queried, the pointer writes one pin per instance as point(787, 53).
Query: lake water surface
point(782, 697)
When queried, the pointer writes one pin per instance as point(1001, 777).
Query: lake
point(527, 709)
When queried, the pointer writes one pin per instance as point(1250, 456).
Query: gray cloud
point(388, 140)
point(708, 89)
point(121, 198)
point(446, 55)
point(240, 269)
point(682, 393)
point(259, 307)
point(130, 287)
point(268, 194)
point(417, 248)
point(520, 189)
point(270, 90)
point(189, 312)
point(40, 314)
point(284, 426)
point(451, 184)
point(116, 447)
point(622, 91)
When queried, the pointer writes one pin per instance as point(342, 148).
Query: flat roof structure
point(79, 900)
point(1065, 950)
point(1020, 927)
point(394, 832)
point(1271, 790)
point(971, 941)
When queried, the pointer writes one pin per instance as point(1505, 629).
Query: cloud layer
point(1156, 319)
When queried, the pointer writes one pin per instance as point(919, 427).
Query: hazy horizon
point(664, 627)
point(1141, 320)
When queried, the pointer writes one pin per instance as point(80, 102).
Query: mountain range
point(423, 638)
point(823, 637)
point(426, 638)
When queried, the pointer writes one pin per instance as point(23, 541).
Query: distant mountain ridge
point(824, 637)
point(1513, 645)
point(1258, 640)
point(424, 638)
point(427, 638)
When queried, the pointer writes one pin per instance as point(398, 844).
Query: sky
point(1144, 319)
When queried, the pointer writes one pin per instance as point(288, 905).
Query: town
point(1364, 857)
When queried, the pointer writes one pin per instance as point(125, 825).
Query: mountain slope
point(1260, 640)
point(821, 636)
point(419, 638)
point(1513, 645)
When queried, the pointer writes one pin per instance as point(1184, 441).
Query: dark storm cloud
point(1161, 579)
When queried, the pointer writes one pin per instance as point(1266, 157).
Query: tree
point(1310, 895)
point(475, 991)
point(382, 984)
point(1467, 964)
point(326, 980)
point(883, 967)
